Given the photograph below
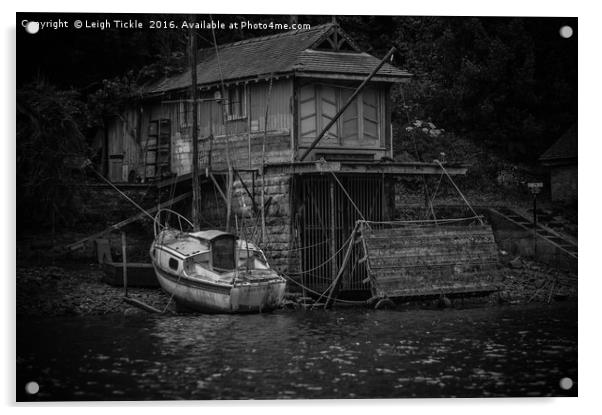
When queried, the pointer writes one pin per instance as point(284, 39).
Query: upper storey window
point(359, 125)
point(236, 102)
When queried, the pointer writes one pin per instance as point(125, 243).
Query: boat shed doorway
point(324, 218)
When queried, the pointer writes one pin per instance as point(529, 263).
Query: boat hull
point(209, 297)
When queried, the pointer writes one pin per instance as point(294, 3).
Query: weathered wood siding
point(123, 145)
point(362, 129)
point(244, 133)
point(426, 260)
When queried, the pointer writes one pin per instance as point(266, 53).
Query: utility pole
point(196, 190)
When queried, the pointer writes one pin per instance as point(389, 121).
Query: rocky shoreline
point(78, 290)
point(75, 291)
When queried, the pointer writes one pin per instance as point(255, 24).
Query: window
point(224, 255)
point(359, 125)
point(236, 102)
point(173, 264)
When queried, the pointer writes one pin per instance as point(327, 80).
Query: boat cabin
point(214, 251)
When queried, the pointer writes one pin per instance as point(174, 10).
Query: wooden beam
point(394, 169)
point(188, 176)
point(251, 196)
point(79, 244)
point(142, 305)
point(219, 189)
point(396, 79)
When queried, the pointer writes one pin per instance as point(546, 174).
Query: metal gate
point(324, 220)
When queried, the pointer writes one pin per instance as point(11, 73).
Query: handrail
point(157, 220)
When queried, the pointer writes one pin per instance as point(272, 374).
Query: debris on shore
point(527, 281)
point(78, 291)
point(60, 291)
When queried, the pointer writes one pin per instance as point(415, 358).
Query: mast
point(196, 196)
point(224, 102)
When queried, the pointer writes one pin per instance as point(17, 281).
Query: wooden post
point(229, 198)
point(333, 233)
point(195, 132)
point(265, 133)
point(534, 225)
point(125, 264)
point(337, 280)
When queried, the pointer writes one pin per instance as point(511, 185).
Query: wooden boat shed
point(280, 92)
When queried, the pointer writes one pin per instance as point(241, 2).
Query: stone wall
point(247, 223)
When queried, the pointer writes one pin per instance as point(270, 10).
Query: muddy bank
point(78, 289)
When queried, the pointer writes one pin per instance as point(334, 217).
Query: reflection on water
point(500, 351)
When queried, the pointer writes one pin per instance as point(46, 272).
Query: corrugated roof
point(564, 148)
point(285, 52)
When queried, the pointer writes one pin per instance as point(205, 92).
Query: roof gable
point(282, 53)
point(565, 148)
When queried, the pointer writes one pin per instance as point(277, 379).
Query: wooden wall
point(129, 133)
point(123, 145)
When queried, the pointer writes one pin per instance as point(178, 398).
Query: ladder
point(157, 153)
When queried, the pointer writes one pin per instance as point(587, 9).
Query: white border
point(590, 160)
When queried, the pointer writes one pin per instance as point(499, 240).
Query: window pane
point(350, 116)
point(307, 111)
point(223, 253)
point(329, 109)
point(370, 113)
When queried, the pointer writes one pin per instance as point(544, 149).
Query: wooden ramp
point(546, 234)
point(411, 261)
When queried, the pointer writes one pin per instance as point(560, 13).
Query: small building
point(561, 161)
point(280, 92)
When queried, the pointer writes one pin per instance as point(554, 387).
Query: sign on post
point(535, 187)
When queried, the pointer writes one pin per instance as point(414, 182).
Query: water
point(493, 351)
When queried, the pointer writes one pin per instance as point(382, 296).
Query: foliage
point(50, 146)
point(508, 83)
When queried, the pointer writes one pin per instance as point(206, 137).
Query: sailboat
point(212, 271)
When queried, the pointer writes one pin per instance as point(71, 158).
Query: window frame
point(171, 261)
point(359, 106)
point(242, 93)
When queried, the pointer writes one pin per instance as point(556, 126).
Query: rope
point(121, 193)
point(436, 189)
point(328, 260)
point(171, 297)
point(458, 190)
point(348, 197)
point(288, 278)
point(305, 247)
